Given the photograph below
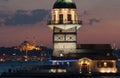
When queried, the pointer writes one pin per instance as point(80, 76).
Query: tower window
point(59, 37)
point(69, 17)
point(61, 18)
point(75, 17)
point(54, 17)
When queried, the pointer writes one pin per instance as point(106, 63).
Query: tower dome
point(64, 4)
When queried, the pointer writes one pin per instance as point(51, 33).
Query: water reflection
point(102, 77)
point(72, 77)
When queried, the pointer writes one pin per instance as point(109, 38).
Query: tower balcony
point(51, 22)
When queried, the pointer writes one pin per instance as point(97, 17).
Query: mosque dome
point(64, 4)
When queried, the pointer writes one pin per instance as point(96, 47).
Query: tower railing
point(50, 22)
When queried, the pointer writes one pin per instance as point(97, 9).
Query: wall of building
point(70, 30)
point(105, 66)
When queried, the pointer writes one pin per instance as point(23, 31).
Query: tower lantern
point(64, 24)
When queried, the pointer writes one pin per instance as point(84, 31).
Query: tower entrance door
point(85, 65)
point(85, 68)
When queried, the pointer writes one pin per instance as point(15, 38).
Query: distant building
point(25, 51)
point(28, 46)
point(82, 58)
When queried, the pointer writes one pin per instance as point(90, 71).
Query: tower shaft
point(64, 24)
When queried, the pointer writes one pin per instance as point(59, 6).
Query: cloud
point(93, 20)
point(85, 12)
point(4, 0)
point(22, 17)
point(2, 6)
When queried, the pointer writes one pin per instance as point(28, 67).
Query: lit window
point(110, 64)
point(105, 64)
point(61, 55)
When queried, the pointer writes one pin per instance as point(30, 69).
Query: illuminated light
point(26, 59)
point(61, 55)
point(57, 63)
point(88, 63)
point(105, 64)
point(64, 9)
point(54, 61)
point(61, 70)
point(89, 72)
point(108, 71)
point(13, 54)
point(1, 59)
point(27, 46)
point(82, 62)
point(102, 71)
point(79, 63)
point(56, 11)
point(68, 63)
point(114, 71)
point(53, 70)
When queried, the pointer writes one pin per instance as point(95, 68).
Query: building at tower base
point(70, 57)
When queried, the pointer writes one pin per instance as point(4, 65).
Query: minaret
point(64, 24)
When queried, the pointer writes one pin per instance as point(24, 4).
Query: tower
point(64, 24)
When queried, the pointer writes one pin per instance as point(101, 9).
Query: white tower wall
point(64, 24)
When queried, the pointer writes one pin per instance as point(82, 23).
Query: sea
point(71, 77)
point(4, 66)
point(17, 65)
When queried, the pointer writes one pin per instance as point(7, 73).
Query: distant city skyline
point(101, 22)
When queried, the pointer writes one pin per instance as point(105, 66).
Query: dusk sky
point(27, 20)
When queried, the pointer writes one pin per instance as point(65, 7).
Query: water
point(71, 77)
point(101, 77)
point(4, 66)
point(16, 65)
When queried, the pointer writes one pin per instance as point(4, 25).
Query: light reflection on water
point(102, 77)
